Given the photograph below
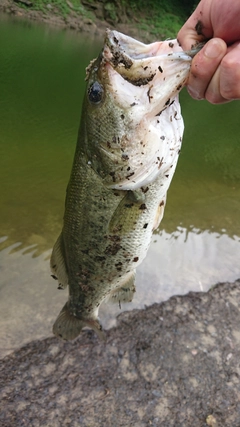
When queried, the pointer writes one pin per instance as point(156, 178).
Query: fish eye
point(95, 93)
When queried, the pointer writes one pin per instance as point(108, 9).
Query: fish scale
point(128, 145)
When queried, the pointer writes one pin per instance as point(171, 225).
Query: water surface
point(42, 85)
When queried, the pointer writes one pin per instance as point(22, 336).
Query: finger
point(188, 37)
point(230, 73)
point(213, 93)
point(196, 29)
point(225, 83)
point(204, 66)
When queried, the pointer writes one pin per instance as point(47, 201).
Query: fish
point(129, 141)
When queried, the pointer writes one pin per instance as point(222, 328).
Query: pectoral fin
point(159, 213)
point(127, 212)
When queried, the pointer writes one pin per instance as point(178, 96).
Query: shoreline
point(93, 27)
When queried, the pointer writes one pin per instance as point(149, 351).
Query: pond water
point(42, 85)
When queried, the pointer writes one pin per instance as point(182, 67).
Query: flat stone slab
point(173, 364)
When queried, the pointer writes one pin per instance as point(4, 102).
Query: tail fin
point(68, 327)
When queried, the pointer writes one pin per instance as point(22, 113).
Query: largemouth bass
point(128, 145)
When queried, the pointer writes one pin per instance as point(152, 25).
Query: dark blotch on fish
point(142, 81)
point(112, 174)
point(100, 258)
point(114, 238)
point(112, 249)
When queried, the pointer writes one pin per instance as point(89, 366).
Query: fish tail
point(67, 326)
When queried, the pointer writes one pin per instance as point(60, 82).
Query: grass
point(167, 27)
point(160, 18)
point(60, 7)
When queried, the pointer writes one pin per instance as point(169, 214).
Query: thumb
point(196, 29)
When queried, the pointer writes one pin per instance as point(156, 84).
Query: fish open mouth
point(139, 73)
point(141, 85)
point(135, 60)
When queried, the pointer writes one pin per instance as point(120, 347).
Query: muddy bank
point(94, 27)
point(172, 364)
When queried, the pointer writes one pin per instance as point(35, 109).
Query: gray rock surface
point(173, 364)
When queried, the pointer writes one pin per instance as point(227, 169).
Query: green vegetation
point(160, 18)
point(59, 7)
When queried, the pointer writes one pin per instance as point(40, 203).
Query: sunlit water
point(42, 85)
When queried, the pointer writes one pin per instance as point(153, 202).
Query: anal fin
point(125, 292)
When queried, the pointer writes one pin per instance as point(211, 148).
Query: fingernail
point(213, 49)
point(194, 93)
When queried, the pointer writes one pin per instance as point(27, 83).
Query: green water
point(42, 75)
point(42, 85)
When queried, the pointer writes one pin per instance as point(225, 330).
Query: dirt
point(94, 27)
point(173, 364)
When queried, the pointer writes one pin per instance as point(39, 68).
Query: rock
point(69, 4)
point(27, 3)
point(168, 365)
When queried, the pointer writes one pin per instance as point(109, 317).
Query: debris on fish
point(128, 145)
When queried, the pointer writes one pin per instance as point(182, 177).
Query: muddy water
point(42, 86)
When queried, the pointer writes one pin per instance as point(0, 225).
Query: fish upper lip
point(118, 44)
point(123, 53)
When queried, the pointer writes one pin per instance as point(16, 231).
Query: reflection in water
point(175, 264)
point(42, 86)
point(180, 262)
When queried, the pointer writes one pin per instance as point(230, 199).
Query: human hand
point(215, 70)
